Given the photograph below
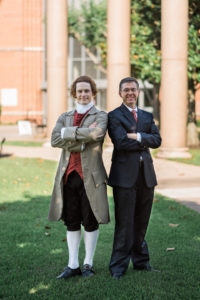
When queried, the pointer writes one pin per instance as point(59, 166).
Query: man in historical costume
point(80, 196)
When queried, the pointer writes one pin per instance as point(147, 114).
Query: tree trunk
point(156, 103)
point(192, 130)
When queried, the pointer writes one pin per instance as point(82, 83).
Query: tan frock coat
point(87, 141)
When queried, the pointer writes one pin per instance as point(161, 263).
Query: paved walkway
point(175, 180)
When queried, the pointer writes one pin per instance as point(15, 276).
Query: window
point(80, 63)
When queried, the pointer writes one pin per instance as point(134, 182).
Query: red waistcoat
point(75, 157)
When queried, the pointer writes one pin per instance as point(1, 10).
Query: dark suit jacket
point(127, 152)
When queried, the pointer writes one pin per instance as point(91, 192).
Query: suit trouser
point(132, 212)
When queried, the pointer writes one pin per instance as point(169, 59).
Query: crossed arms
point(74, 138)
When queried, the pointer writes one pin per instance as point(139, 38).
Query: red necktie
point(134, 114)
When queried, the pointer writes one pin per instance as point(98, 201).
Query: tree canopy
point(88, 25)
point(145, 50)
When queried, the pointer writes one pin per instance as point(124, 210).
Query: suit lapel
point(127, 114)
point(139, 120)
point(130, 117)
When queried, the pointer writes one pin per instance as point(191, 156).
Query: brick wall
point(21, 59)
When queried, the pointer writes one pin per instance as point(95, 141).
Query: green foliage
point(33, 250)
point(194, 44)
point(146, 40)
point(145, 53)
point(88, 25)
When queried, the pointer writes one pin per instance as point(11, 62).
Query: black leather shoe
point(68, 272)
point(117, 275)
point(88, 271)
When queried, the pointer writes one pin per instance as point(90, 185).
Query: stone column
point(56, 61)
point(118, 65)
point(174, 78)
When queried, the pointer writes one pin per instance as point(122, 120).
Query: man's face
point(83, 93)
point(129, 93)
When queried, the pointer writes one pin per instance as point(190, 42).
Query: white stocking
point(73, 242)
point(90, 240)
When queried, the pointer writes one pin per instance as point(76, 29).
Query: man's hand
point(93, 125)
point(132, 136)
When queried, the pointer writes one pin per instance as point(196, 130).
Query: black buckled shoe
point(68, 272)
point(88, 271)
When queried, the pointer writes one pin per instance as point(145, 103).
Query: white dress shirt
point(139, 138)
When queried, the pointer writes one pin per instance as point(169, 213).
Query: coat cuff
point(70, 133)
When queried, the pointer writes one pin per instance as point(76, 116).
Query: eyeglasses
point(126, 90)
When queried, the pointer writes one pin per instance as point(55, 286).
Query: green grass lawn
point(33, 250)
point(194, 160)
point(24, 143)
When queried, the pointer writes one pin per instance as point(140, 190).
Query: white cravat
point(83, 108)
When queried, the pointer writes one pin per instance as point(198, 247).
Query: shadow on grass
point(193, 204)
point(34, 252)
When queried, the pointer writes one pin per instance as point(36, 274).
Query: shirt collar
point(130, 109)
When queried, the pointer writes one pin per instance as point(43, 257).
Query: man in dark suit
point(132, 177)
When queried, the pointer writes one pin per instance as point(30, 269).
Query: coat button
point(97, 185)
point(63, 169)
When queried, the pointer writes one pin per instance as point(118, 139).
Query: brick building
point(23, 63)
point(21, 60)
